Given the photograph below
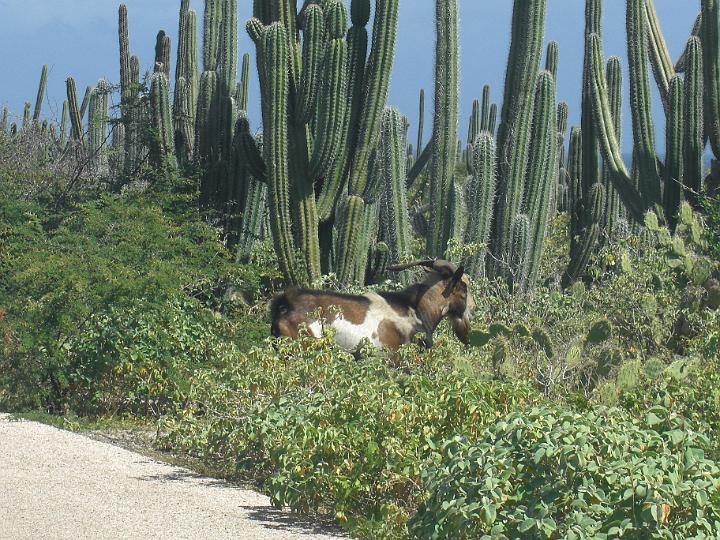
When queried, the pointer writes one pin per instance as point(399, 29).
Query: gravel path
point(58, 484)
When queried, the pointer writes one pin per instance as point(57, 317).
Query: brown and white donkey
point(385, 319)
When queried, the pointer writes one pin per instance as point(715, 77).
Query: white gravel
point(58, 484)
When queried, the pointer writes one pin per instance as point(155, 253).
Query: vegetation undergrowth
point(127, 309)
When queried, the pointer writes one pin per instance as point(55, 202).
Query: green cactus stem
point(674, 149)
point(614, 209)
point(551, 59)
point(660, 60)
point(421, 124)
point(442, 166)
point(693, 121)
point(75, 118)
point(41, 93)
point(710, 32)
point(480, 201)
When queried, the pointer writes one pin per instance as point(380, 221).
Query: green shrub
point(62, 270)
point(552, 473)
point(326, 432)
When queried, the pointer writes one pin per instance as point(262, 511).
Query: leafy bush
point(61, 270)
point(327, 432)
point(140, 358)
point(551, 473)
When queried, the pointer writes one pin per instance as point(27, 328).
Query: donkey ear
point(457, 276)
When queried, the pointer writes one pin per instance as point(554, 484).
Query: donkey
point(386, 319)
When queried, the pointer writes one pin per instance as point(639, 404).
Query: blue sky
point(79, 38)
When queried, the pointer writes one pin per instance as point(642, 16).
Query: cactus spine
point(442, 165)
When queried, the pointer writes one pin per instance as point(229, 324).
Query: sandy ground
point(58, 484)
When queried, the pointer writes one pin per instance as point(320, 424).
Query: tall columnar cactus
point(242, 93)
point(692, 119)
point(710, 33)
point(162, 146)
point(614, 209)
point(574, 169)
point(98, 122)
point(643, 128)
point(442, 166)
point(583, 245)
point(41, 93)
point(212, 28)
point(561, 119)
point(674, 149)
point(26, 115)
point(542, 170)
point(323, 129)
point(421, 124)
point(662, 66)
point(590, 174)
point(75, 119)
point(64, 123)
point(4, 120)
point(186, 84)
point(480, 201)
point(392, 166)
point(162, 53)
point(129, 92)
point(514, 134)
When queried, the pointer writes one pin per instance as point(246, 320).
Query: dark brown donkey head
point(447, 294)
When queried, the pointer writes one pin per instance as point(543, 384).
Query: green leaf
point(526, 525)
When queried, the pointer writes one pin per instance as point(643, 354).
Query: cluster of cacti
point(322, 99)
point(329, 176)
point(527, 164)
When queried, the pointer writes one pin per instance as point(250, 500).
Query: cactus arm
point(391, 155)
point(613, 207)
point(275, 145)
point(695, 32)
point(602, 114)
point(163, 144)
point(659, 55)
point(485, 111)
point(243, 88)
point(692, 118)
point(551, 59)
point(313, 53)
point(591, 159)
point(420, 164)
